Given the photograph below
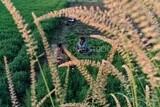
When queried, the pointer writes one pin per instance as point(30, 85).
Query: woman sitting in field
point(60, 55)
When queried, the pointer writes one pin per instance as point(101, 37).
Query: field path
point(73, 27)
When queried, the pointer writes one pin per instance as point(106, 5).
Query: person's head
point(82, 40)
point(59, 46)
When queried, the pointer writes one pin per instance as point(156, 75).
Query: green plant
point(125, 29)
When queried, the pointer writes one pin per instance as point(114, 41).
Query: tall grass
point(130, 35)
point(13, 47)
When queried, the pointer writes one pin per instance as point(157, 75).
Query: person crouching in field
point(60, 55)
point(82, 45)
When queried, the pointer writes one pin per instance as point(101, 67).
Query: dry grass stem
point(29, 41)
point(14, 99)
point(116, 100)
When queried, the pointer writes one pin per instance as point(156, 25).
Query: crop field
point(122, 68)
point(12, 45)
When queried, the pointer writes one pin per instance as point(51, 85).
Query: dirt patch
point(76, 27)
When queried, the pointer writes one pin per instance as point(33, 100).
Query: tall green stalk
point(133, 84)
point(45, 81)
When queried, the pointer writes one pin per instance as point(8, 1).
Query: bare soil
point(76, 27)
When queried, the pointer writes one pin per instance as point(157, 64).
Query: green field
point(12, 46)
point(56, 30)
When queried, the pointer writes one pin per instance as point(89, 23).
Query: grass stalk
point(133, 84)
point(45, 81)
